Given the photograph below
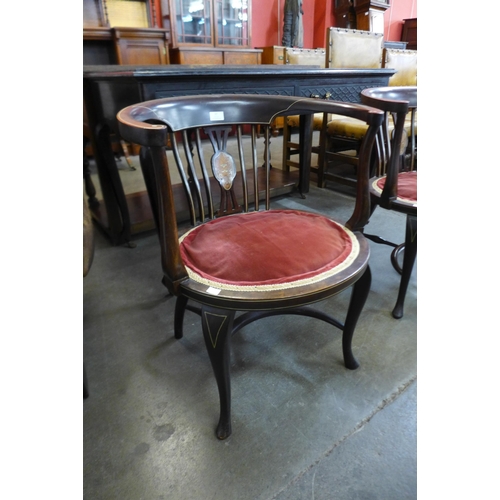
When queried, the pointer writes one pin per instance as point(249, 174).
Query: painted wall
point(267, 23)
point(267, 20)
point(399, 10)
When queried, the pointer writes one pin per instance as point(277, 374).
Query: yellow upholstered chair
point(306, 57)
point(346, 48)
point(405, 64)
point(343, 135)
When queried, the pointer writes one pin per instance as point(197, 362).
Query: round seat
point(407, 187)
point(267, 250)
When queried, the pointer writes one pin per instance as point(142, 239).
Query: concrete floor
point(304, 427)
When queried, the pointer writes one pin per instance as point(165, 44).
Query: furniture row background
point(340, 137)
point(154, 31)
point(345, 49)
point(141, 40)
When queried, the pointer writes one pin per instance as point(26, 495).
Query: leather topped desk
point(108, 89)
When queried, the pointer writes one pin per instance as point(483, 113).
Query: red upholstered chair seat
point(407, 186)
point(270, 249)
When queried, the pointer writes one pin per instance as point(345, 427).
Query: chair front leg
point(180, 309)
point(358, 298)
point(408, 262)
point(217, 325)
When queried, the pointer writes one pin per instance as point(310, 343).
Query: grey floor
point(304, 427)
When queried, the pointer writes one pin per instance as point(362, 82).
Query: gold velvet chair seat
point(354, 129)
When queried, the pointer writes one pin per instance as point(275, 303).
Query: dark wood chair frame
point(152, 124)
point(396, 152)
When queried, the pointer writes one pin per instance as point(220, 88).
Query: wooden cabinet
point(194, 32)
point(370, 14)
point(214, 55)
point(365, 15)
point(144, 46)
point(123, 32)
point(345, 15)
point(210, 31)
point(274, 54)
point(111, 13)
point(409, 33)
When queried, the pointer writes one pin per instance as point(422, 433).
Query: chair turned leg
point(180, 309)
point(217, 325)
point(408, 262)
point(358, 298)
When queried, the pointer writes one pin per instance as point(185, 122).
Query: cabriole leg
point(408, 262)
point(180, 309)
point(358, 298)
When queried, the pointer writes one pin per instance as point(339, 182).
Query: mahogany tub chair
point(394, 185)
point(226, 262)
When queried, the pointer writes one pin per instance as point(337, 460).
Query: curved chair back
point(395, 187)
point(397, 150)
point(224, 174)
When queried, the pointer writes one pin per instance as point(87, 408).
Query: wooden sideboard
point(214, 55)
point(108, 89)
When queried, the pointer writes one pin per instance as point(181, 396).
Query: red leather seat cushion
point(407, 185)
point(267, 247)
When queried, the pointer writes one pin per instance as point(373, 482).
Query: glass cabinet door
point(209, 22)
point(232, 22)
point(193, 21)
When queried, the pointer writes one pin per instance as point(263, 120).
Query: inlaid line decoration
point(221, 319)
